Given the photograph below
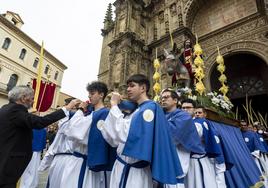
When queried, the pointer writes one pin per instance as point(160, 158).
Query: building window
point(14, 21)
point(35, 64)
point(12, 82)
point(22, 54)
point(46, 69)
point(56, 75)
point(6, 43)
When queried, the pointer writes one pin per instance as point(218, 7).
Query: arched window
point(56, 75)
point(22, 54)
point(36, 61)
point(46, 69)
point(12, 82)
point(6, 43)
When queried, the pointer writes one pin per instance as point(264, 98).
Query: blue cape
point(212, 146)
point(224, 156)
point(101, 155)
point(244, 172)
point(252, 141)
point(39, 139)
point(127, 105)
point(90, 109)
point(263, 142)
point(183, 131)
point(149, 140)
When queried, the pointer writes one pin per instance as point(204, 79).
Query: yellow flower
point(156, 87)
point(156, 64)
point(198, 50)
point(222, 78)
point(221, 68)
point(200, 88)
point(224, 89)
point(198, 61)
point(199, 72)
point(156, 76)
point(219, 59)
point(157, 98)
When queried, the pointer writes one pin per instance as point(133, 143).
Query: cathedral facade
point(141, 27)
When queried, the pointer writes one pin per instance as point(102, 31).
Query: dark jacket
point(16, 126)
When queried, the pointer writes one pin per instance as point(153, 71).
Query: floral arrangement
point(220, 101)
point(212, 100)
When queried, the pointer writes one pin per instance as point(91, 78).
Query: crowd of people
point(135, 143)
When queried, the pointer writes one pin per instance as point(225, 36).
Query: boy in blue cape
point(97, 156)
point(182, 130)
point(145, 151)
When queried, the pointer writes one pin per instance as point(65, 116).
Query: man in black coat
point(16, 126)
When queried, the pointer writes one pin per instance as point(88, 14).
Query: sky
point(71, 31)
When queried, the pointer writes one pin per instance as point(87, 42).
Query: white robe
point(184, 157)
point(65, 169)
point(213, 173)
point(115, 132)
point(261, 163)
point(30, 178)
point(78, 132)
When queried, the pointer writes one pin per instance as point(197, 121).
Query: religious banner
point(46, 95)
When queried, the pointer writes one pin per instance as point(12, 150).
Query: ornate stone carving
point(161, 17)
point(166, 23)
point(155, 31)
point(173, 9)
point(239, 32)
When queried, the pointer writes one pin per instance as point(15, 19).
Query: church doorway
point(247, 75)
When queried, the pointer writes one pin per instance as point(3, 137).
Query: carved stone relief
point(161, 17)
point(239, 32)
point(173, 9)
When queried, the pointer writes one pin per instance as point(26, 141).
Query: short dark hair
point(98, 86)
point(189, 101)
point(140, 79)
point(202, 107)
point(173, 94)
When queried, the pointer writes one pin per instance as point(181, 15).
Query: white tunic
point(210, 170)
point(29, 178)
point(65, 169)
point(115, 132)
point(261, 164)
point(78, 132)
point(184, 157)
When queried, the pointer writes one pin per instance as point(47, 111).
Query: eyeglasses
point(198, 112)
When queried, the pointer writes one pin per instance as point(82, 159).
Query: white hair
point(18, 92)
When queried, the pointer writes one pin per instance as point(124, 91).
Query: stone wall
point(221, 13)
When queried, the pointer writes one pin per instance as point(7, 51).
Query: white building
point(19, 58)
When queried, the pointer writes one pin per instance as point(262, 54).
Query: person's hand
point(72, 104)
point(115, 99)
point(83, 106)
